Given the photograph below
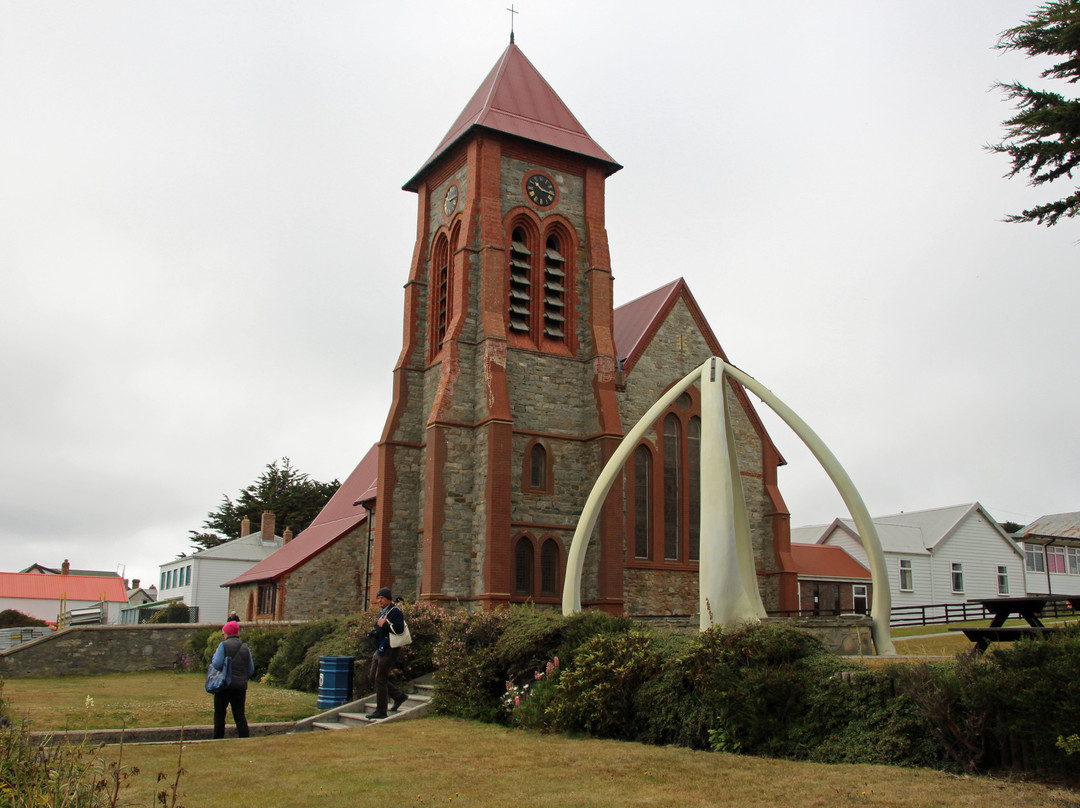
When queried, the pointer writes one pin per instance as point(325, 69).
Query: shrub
point(9, 618)
point(597, 694)
point(263, 642)
point(292, 651)
point(199, 649)
point(469, 681)
point(175, 612)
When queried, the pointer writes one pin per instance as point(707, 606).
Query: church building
point(516, 380)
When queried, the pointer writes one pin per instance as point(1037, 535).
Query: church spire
point(516, 100)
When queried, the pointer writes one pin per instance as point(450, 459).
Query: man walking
point(385, 656)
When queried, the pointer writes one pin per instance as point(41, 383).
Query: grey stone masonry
point(98, 649)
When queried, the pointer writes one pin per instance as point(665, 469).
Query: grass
point(155, 699)
point(441, 761)
point(449, 762)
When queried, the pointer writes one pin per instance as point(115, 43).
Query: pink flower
point(555, 662)
point(517, 701)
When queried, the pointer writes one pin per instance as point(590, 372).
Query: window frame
point(541, 284)
point(956, 577)
point(1002, 579)
point(1074, 560)
point(1034, 558)
point(1057, 553)
point(674, 470)
point(537, 553)
point(528, 485)
point(906, 567)
point(864, 596)
point(266, 595)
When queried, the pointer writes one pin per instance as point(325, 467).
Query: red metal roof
point(826, 561)
point(1055, 525)
point(515, 99)
point(34, 585)
point(339, 516)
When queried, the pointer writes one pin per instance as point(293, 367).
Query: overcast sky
point(205, 240)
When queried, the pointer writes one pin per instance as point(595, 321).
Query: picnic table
point(1027, 607)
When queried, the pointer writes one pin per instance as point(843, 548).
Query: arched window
point(521, 270)
point(538, 468)
point(540, 287)
point(672, 443)
point(538, 476)
point(549, 567)
point(642, 501)
point(523, 567)
point(440, 293)
point(693, 484)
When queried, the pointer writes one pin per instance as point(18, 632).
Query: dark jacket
point(243, 666)
point(395, 618)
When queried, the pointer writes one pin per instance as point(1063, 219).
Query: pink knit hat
point(232, 627)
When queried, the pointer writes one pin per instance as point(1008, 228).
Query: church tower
point(504, 395)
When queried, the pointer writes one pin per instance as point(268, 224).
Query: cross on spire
point(512, 13)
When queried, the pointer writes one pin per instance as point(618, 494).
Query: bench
point(982, 637)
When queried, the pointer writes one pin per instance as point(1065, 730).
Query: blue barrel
point(335, 681)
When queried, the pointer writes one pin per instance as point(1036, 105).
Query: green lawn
point(157, 699)
point(449, 762)
point(441, 761)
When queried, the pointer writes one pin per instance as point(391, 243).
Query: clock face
point(541, 190)
point(449, 203)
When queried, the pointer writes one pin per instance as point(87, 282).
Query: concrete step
point(354, 714)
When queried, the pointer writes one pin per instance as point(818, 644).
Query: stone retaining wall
point(847, 635)
point(98, 649)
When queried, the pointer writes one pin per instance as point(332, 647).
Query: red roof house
point(46, 597)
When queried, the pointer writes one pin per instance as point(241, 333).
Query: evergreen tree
point(1043, 138)
point(294, 498)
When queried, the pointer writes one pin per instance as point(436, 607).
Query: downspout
point(1046, 563)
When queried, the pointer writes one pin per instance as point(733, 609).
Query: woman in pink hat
point(243, 666)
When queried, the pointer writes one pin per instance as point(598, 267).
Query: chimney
point(134, 583)
point(65, 567)
point(287, 535)
point(245, 526)
point(268, 526)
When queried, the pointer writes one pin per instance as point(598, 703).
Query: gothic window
point(440, 292)
point(642, 501)
point(521, 266)
point(693, 483)
point(538, 468)
point(523, 567)
point(554, 291)
point(663, 489)
point(538, 474)
point(671, 487)
point(549, 567)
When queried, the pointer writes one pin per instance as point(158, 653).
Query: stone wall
point(330, 583)
point(847, 635)
point(98, 649)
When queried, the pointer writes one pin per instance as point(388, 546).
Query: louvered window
point(520, 283)
point(440, 292)
point(554, 291)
